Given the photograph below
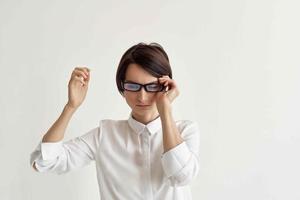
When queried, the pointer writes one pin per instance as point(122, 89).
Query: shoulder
point(112, 124)
point(187, 127)
point(186, 123)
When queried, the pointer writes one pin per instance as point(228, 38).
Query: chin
point(143, 110)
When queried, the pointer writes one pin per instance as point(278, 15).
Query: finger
point(169, 80)
point(79, 79)
point(162, 79)
point(166, 81)
point(86, 70)
point(169, 84)
point(83, 69)
point(166, 89)
point(165, 77)
point(89, 73)
point(80, 73)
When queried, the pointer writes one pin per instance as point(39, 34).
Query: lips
point(143, 105)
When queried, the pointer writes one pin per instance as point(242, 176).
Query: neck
point(145, 119)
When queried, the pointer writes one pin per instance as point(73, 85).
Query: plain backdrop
point(236, 63)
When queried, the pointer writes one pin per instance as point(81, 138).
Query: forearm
point(57, 130)
point(179, 160)
point(171, 135)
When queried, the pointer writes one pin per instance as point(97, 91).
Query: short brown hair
point(151, 57)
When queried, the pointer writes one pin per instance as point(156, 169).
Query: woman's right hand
point(78, 86)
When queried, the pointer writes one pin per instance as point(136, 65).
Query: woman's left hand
point(165, 98)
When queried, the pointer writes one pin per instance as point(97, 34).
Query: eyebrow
point(140, 83)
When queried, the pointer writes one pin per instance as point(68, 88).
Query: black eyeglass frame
point(143, 85)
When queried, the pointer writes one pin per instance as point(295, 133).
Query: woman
point(147, 156)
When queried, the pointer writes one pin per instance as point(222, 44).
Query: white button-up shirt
point(130, 159)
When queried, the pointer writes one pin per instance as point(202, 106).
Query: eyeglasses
point(149, 87)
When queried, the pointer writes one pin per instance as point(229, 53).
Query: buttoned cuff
point(51, 150)
point(175, 159)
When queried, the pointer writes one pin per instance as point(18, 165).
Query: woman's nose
point(142, 95)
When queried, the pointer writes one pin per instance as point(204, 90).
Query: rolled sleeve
point(175, 159)
point(61, 157)
point(181, 163)
point(45, 155)
point(51, 150)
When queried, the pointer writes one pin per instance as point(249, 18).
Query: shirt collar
point(138, 127)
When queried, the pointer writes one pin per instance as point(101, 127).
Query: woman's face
point(141, 102)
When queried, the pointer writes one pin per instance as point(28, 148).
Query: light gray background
point(236, 63)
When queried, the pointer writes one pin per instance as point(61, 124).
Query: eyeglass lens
point(152, 87)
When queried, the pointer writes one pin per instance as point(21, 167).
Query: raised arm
point(77, 90)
